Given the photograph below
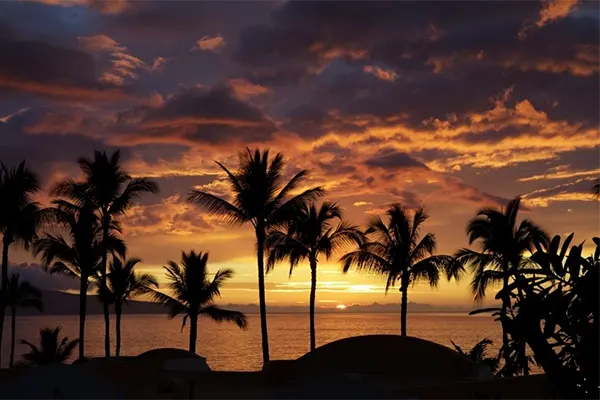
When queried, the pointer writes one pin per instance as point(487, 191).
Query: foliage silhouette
point(503, 245)
point(20, 219)
point(479, 354)
point(124, 283)
point(397, 250)
point(79, 255)
point(193, 293)
point(21, 294)
point(309, 235)
point(259, 197)
point(112, 192)
point(50, 350)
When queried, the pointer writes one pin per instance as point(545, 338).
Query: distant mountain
point(62, 303)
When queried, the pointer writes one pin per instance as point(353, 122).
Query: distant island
point(63, 303)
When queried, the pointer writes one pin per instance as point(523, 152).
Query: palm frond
point(220, 315)
point(214, 205)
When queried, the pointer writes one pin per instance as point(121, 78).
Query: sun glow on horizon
point(340, 307)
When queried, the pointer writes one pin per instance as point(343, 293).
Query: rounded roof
point(166, 354)
point(406, 357)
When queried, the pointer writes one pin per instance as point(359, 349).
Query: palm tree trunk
point(12, 336)
point(82, 314)
point(103, 283)
point(118, 312)
point(503, 313)
point(6, 240)
point(260, 243)
point(403, 310)
point(193, 332)
point(313, 295)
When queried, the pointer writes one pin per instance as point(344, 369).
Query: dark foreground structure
point(376, 366)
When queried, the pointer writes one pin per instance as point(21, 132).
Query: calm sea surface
point(228, 348)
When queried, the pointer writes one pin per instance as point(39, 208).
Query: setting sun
point(340, 307)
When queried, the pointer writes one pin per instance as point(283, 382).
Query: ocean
point(231, 349)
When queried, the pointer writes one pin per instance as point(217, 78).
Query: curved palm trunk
point(313, 295)
point(118, 312)
point(5, 245)
point(12, 336)
point(403, 309)
point(193, 332)
point(103, 283)
point(260, 244)
point(82, 314)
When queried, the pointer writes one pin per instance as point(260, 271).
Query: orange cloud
point(63, 91)
point(561, 174)
point(210, 43)
point(383, 74)
point(245, 89)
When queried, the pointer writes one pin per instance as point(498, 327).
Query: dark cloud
point(393, 160)
point(200, 115)
point(50, 71)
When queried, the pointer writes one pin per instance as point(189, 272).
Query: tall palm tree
point(193, 293)
point(112, 192)
point(397, 250)
point(20, 218)
point(260, 197)
point(503, 245)
point(21, 294)
point(309, 235)
point(79, 255)
point(50, 350)
point(123, 285)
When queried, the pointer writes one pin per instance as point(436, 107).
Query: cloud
point(196, 115)
point(577, 190)
point(391, 159)
point(561, 173)
point(67, 75)
point(552, 10)
point(103, 6)
point(210, 43)
point(124, 65)
point(362, 203)
point(245, 89)
point(381, 73)
point(172, 216)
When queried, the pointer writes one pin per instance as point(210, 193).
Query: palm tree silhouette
point(112, 192)
point(309, 235)
point(20, 218)
point(396, 250)
point(194, 293)
point(21, 294)
point(123, 285)
point(261, 198)
point(78, 256)
point(50, 350)
point(503, 245)
point(479, 353)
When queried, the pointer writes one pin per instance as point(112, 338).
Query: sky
point(453, 106)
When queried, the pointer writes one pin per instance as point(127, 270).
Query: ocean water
point(227, 347)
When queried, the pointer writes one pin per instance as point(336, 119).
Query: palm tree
point(479, 354)
point(396, 250)
point(309, 235)
point(21, 294)
point(503, 245)
point(124, 284)
point(50, 351)
point(194, 293)
point(20, 218)
point(260, 198)
point(79, 255)
point(112, 192)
